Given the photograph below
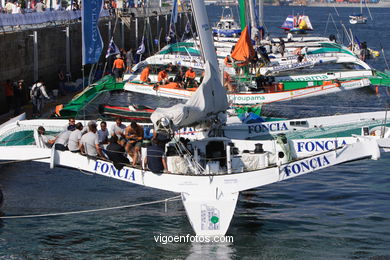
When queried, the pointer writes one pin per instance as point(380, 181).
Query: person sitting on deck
point(103, 133)
point(190, 78)
point(47, 141)
point(116, 153)
point(155, 156)
point(118, 129)
point(71, 121)
point(61, 141)
point(145, 74)
point(74, 138)
point(89, 143)
point(179, 78)
point(118, 68)
point(162, 77)
point(134, 135)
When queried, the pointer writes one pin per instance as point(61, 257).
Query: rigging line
point(175, 198)
point(27, 160)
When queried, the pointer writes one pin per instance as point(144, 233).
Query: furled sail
point(208, 100)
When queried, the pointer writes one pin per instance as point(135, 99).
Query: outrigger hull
point(209, 200)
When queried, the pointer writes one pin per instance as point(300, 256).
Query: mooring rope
point(175, 198)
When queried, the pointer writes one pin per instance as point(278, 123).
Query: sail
point(209, 99)
point(304, 19)
point(288, 23)
point(243, 51)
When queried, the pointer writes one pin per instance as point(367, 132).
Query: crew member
point(116, 153)
point(118, 129)
point(89, 143)
point(190, 78)
point(118, 68)
point(134, 135)
point(155, 158)
point(75, 137)
point(145, 74)
point(162, 77)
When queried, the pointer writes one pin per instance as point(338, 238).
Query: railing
point(36, 18)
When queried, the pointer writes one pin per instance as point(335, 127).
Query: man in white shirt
point(37, 94)
point(118, 129)
point(74, 138)
point(103, 133)
point(48, 141)
point(62, 139)
point(89, 143)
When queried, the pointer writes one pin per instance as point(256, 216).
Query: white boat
point(209, 188)
point(358, 18)
point(227, 26)
point(244, 98)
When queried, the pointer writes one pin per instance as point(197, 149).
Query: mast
point(242, 13)
point(261, 13)
point(204, 31)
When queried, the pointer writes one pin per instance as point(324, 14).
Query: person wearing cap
point(116, 153)
point(89, 142)
point(118, 68)
point(75, 137)
point(155, 155)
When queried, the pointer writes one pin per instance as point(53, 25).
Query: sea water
point(337, 213)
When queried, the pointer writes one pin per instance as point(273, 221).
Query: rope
point(175, 198)
point(16, 161)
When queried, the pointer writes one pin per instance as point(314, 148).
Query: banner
point(92, 40)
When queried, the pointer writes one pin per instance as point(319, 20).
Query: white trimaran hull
point(211, 196)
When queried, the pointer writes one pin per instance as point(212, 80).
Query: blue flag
point(141, 48)
point(112, 49)
point(92, 40)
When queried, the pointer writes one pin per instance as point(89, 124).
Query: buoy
point(376, 89)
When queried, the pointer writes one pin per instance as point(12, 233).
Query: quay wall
point(17, 46)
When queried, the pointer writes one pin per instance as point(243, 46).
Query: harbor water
point(337, 213)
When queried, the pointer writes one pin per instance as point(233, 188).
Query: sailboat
point(298, 24)
point(358, 18)
point(208, 173)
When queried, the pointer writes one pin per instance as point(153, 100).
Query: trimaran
point(209, 173)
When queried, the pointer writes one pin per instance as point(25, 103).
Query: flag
point(174, 12)
point(92, 43)
point(188, 27)
point(141, 48)
point(112, 49)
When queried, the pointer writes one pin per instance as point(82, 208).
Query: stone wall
point(17, 55)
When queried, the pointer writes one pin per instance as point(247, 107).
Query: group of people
point(114, 144)
point(181, 80)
